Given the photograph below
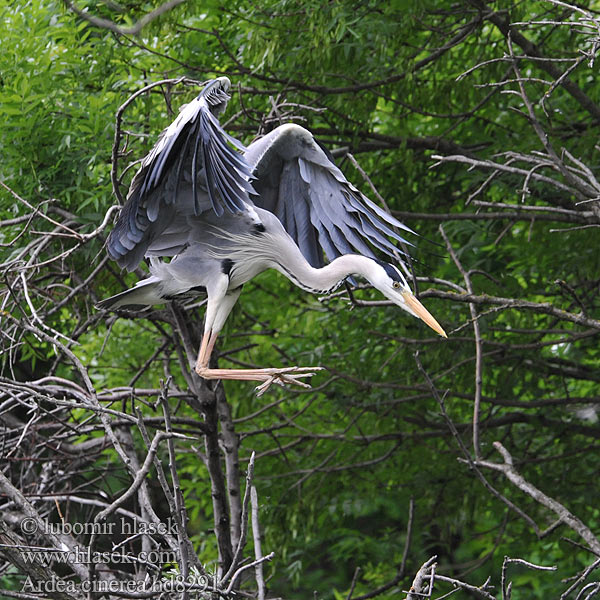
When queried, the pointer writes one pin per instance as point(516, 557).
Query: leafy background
point(337, 467)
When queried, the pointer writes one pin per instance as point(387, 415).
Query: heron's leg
point(206, 347)
point(218, 307)
point(217, 311)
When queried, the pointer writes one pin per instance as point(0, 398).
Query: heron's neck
point(252, 254)
point(327, 278)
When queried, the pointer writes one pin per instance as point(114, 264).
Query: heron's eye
point(396, 284)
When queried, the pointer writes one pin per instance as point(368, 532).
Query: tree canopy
point(474, 123)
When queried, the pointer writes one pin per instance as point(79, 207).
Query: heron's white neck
point(252, 254)
point(297, 269)
point(329, 277)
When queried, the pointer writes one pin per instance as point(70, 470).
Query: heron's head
point(215, 93)
point(392, 284)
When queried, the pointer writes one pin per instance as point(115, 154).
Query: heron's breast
point(243, 271)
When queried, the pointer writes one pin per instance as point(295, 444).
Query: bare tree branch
point(135, 28)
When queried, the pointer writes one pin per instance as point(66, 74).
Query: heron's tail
point(145, 293)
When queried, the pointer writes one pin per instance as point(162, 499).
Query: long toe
point(287, 376)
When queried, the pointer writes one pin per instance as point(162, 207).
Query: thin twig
point(478, 346)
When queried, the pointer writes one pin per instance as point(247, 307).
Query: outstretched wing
point(191, 168)
point(317, 205)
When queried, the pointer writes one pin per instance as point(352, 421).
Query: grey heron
point(223, 216)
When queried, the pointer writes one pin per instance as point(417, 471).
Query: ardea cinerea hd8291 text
point(225, 216)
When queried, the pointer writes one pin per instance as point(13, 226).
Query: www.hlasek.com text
point(47, 557)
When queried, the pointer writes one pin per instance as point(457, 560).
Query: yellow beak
point(422, 312)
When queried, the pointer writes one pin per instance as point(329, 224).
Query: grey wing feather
point(317, 205)
point(192, 168)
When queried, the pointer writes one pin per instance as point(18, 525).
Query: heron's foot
point(286, 376)
point(280, 376)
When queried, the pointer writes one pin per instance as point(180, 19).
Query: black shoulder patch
point(226, 265)
point(258, 228)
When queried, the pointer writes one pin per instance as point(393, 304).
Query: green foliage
point(354, 452)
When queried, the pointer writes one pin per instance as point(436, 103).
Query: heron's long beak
point(420, 311)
